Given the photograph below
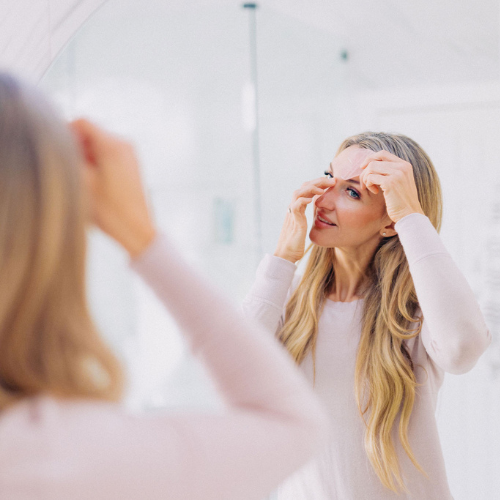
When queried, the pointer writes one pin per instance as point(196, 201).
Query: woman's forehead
point(347, 165)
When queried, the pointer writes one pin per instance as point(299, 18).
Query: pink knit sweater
point(453, 337)
point(76, 450)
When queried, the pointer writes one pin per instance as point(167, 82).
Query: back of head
point(48, 343)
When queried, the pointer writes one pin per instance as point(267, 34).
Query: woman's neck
point(350, 267)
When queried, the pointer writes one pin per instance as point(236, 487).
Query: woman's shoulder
point(48, 414)
point(42, 429)
point(87, 441)
point(76, 427)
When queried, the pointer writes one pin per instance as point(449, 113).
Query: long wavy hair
point(385, 382)
point(48, 342)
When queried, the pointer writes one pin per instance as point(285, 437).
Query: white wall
point(459, 127)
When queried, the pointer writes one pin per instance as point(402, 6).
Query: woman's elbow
point(322, 426)
point(314, 432)
point(465, 354)
point(313, 424)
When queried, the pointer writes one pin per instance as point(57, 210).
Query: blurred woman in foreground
point(62, 435)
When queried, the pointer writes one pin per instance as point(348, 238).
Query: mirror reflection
point(232, 110)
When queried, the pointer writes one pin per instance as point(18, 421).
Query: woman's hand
point(292, 240)
point(117, 201)
point(395, 178)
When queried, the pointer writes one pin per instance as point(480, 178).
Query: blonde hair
point(385, 382)
point(48, 342)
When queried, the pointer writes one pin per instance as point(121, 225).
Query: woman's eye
point(353, 193)
point(328, 173)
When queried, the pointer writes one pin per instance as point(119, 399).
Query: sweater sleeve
point(454, 332)
point(274, 423)
point(266, 299)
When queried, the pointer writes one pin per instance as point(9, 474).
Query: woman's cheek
point(359, 217)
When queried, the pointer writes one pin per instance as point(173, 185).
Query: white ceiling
point(390, 43)
point(32, 32)
point(399, 43)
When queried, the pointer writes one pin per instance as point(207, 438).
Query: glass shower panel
point(302, 97)
point(171, 77)
point(302, 101)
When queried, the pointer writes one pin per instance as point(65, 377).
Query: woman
point(62, 435)
point(380, 313)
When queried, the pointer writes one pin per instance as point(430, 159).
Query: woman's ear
point(388, 231)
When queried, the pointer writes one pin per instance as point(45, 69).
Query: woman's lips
point(322, 223)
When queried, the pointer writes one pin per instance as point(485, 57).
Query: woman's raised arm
point(454, 332)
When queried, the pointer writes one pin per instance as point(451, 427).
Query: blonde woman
point(380, 313)
point(62, 434)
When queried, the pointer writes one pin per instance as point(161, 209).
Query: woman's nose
point(327, 199)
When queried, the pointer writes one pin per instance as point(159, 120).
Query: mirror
point(178, 78)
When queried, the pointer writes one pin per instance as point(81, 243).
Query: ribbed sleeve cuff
point(419, 237)
point(274, 277)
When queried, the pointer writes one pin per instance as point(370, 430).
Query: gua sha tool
point(347, 164)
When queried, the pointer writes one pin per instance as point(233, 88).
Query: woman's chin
point(316, 238)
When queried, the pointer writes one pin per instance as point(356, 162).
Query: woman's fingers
point(315, 187)
point(371, 168)
point(97, 144)
point(381, 169)
point(112, 176)
point(372, 181)
point(83, 132)
point(299, 205)
point(380, 156)
point(291, 243)
point(325, 182)
point(309, 190)
point(90, 133)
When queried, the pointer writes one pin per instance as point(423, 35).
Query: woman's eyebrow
point(347, 180)
point(351, 181)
